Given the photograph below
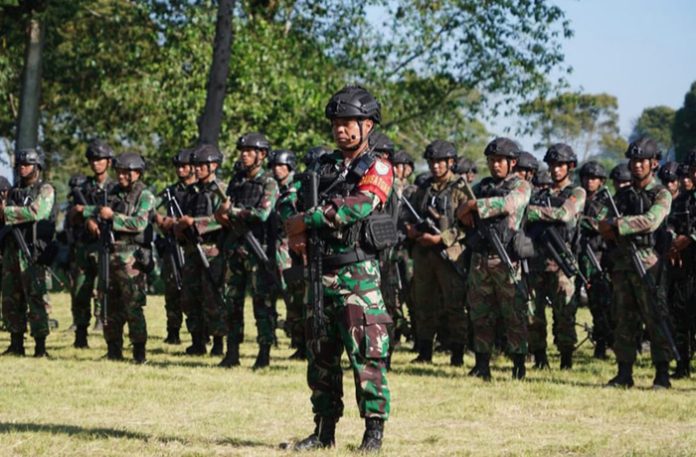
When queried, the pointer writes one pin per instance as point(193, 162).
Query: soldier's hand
point(467, 220)
point(411, 232)
point(222, 217)
point(465, 208)
point(185, 222)
point(675, 258)
point(106, 213)
point(607, 229)
point(295, 225)
point(428, 239)
point(225, 205)
point(298, 245)
point(92, 227)
point(681, 242)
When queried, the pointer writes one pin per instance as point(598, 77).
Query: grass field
point(78, 404)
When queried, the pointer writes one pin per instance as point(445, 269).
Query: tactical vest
point(198, 202)
point(487, 188)
point(126, 204)
point(633, 202)
point(439, 202)
point(248, 193)
point(593, 207)
point(545, 198)
point(38, 234)
point(93, 193)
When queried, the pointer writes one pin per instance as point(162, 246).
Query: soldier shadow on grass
point(103, 432)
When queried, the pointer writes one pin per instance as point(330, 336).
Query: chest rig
point(488, 188)
point(126, 202)
point(547, 198)
point(631, 201)
point(593, 207)
point(38, 234)
point(248, 193)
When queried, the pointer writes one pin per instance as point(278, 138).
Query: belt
point(346, 258)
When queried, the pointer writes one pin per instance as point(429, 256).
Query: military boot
point(299, 354)
point(600, 350)
point(197, 345)
point(475, 371)
point(263, 358)
point(232, 356)
point(139, 353)
point(16, 345)
point(114, 350)
point(683, 369)
point(425, 352)
point(40, 347)
point(624, 378)
point(519, 371)
point(217, 348)
point(566, 360)
point(541, 360)
point(81, 337)
point(457, 357)
point(324, 435)
point(374, 433)
point(172, 336)
point(661, 380)
point(484, 369)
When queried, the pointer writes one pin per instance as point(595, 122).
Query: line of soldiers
point(475, 265)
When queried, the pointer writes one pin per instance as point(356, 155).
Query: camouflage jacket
point(512, 205)
point(41, 208)
point(130, 218)
point(569, 212)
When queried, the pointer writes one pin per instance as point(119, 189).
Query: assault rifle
point(427, 225)
point(106, 247)
point(174, 252)
point(647, 280)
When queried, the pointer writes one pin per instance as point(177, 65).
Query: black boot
point(683, 369)
point(457, 357)
point(16, 345)
point(475, 371)
point(81, 337)
point(232, 357)
point(519, 371)
point(661, 380)
point(197, 345)
point(40, 348)
point(263, 358)
point(541, 360)
point(217, 348)
point(425, 352)
point(484, 370)
point(566, 360)
point(114, 350)
point(139, 353)
point(299, 354)
point(624, 378)
point(324, 435)
point(600, 350)
point(374, 433)
point(172, 336)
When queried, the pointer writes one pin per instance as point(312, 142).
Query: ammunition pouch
point(380, 232)
point(143, 260)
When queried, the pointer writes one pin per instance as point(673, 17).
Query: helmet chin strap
point(362, 138)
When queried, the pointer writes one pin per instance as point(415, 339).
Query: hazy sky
point(641, 51)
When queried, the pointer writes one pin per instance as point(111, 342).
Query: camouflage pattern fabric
point(24, 287)
point(84, 270)
point(172, 296)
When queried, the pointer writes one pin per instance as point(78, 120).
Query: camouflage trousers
point(391, 287)
point(599, 303)
point(438, 294)
point(84, 271)
point(357, 322)
point(493, 299)
point(681, 296)
point(172, 295)
point(23, 294)
point(632, 301)
point(560, 290)
point(295, 315)
point(200, 300)
point(126, 297)
point(244, 271)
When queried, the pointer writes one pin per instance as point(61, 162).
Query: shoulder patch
point(381, 168)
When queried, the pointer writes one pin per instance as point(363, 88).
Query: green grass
point(77, 404)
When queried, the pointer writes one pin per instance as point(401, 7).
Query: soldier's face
point(204, 170)
point(127, 177)
point(400, 170)
point(688, 184)
point(640, 168)
point(184, 171)
point(470, 176)
point(500, 166)
point(673, 186)
point(99, 166)
point(439, 167)
point(591, 184)
point(248, 157)
point(346, 132)
point(558, 170)
point(281, 172)
point(25, 170)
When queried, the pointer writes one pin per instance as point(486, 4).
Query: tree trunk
point(28, 119)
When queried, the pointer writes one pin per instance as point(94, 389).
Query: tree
point(655, 122)
point(588, 122)
point(684, 128)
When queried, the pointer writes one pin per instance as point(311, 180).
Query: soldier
point(438, 281)
point(283, 166)
point(592, 177)
point(127, 215)
point(252, 196)
point(84, 269)
point(5, 187)
point(492, 291)
point(558, 207)
point(643, 208)
point(527, 166)
point(542, 180)
point(170, 249)
point(467, 169)
point(29, 213)
point(311, 159)
point(620, 176)
point(681, 272)
point(354, 311)
point(670, 177)
point(201, 300)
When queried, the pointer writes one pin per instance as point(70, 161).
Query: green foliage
point(588, 122)
point(684, 130)
point(655, 122)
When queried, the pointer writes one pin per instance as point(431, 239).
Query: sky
point(641, 51)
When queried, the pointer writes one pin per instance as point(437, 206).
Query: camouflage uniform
point(253, 202)
point(438, 290)
point(356, 318)
point(127, 289)
point(560, 208)
point(24, 287)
